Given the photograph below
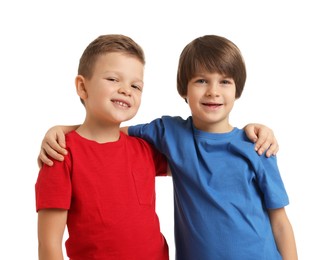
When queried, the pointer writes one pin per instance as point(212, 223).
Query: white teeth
point(121, 103)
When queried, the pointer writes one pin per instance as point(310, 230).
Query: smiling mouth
point(121, 103)
point(212, 105)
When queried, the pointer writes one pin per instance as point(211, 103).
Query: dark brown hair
point(211, 53)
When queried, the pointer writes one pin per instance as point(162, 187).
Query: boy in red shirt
point(104, 190)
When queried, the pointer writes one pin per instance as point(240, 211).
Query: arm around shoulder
point(53, 144)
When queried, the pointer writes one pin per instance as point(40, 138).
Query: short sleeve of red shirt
point(53, 186)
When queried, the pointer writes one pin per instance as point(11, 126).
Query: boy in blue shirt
point(228, 201)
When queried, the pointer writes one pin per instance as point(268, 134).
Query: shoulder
point(140, 148)
point(176, 123)
point(175, 119)
point(72, 138)
point(169, 120)
point(136, 143)
point(241, 145)
point(240, 139)
point(159, 126)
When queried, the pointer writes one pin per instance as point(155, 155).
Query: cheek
point(138, 99)
point(231, 94)
point(194, 94)
point(231, 102)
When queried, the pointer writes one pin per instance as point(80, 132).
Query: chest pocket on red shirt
point(145, 185)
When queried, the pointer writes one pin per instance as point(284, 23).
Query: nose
point(124, 89)
point(213, 90)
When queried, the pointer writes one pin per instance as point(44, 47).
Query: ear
point(80, 87)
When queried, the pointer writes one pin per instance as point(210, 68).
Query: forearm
point(286, 243)
point(49, 251)
point(51, 226)
point(283, 234)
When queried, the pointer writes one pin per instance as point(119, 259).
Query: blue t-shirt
point(222, 190)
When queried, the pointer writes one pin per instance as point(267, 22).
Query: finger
point(272, 150)
point(261, 143)
point(264, 147)
point(251, 133)
point(269, 146)
point(252, 136)
point(53, 148)
point(49, 151)
point(39, 162)
point(61, 140)
point(43, 159)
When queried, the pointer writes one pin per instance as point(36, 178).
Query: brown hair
point(106, 44)
point(211, 53)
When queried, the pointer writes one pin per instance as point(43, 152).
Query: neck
point(216, 129)
point(100, 134)
point(222, 126)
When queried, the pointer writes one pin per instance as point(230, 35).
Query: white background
point(284, 46)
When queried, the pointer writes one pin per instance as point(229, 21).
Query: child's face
point(115, 89)
point(211, 97)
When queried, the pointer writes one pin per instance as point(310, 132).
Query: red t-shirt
point(109, 192)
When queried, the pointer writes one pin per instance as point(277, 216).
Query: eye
point(137, 87)
point(112, 79)
point(226, 82)
point(201, 81)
